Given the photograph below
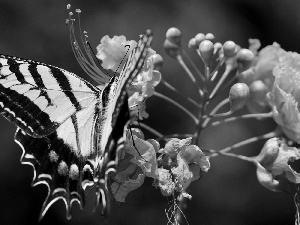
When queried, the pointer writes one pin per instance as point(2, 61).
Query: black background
point(229, 193)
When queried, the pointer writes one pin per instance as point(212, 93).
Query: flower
point(112, 52)
point(179, 165)
point(260, 77)
point(143, 86)
point(285, 95)
point(273, 170)
point(136, 161)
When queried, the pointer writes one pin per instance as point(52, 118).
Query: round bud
point(217, 47)
point(172, 49)
point(258, 90)
point(209, 36)
point(193, 45)
point(244, 59)
point(206, 49)
point(199, 38)
point(174, 35)
point(229, 48)
point(157, 61)
point(238, 96)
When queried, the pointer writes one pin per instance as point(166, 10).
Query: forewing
point(39, 97)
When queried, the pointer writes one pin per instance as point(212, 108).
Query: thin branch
point(189, 73)
point(220, 82)
point(201, 76)
point(178, 92)
point(245, 142)
point(148, 128)
point(215, 72)
point(216, 109)
point(246, 116)
point(228, 154)
point(178, 105)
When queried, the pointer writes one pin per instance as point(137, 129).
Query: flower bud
point(238, 96)
point(174, 35)
point(172, 49)
point(217, 47)
point(199, 38)
point(258, 90)
point(157, 61)
point(193, 45)
point(209, 36)
point(206, 49)
point(244, 59)
point(229, 48)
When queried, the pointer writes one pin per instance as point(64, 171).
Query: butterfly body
point(69, 129)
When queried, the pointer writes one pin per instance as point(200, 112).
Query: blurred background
point(229, 193)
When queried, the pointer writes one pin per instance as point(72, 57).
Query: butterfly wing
point(56, 112)
point(57, 166)
point(38, 97)
point(116, 103)
point(115, 113)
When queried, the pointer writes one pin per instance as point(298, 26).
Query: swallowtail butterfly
point(69, 130)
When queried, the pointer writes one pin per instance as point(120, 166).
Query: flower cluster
point(259, 77)
point(178, 164)
point(273, 170)
point(285, 95)
point(113, 51)
point(274, 80)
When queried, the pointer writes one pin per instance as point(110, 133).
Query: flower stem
point(215, 72)
point(178, 105)
point(189, 73)
point(178, 92)
point(229, 154)
point(148, 128)
point(216, 109)
point(246, 116)
point(245, 142)
point(194, 66)
point(220, 82)
point(218, 115)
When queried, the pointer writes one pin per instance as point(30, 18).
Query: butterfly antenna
point(84, 56)
point(94, 54)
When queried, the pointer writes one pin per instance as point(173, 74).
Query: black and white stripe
point(39, 98)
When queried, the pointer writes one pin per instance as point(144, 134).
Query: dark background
point(229, 193)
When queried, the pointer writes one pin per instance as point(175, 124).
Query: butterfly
point(69, 129)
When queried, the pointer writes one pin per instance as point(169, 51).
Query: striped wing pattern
point(115, 115)
point(65, 124)
point(56, 112)
point(117, 94)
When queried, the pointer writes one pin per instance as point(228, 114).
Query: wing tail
point(56, 166)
